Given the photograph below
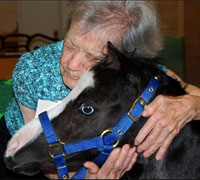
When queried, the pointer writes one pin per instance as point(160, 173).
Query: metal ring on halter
point(58, 145)
point(107, 131)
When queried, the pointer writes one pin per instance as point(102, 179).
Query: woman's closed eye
point(95, 59)
point(70, 47)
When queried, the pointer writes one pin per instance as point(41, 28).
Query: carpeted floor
point(6, 93)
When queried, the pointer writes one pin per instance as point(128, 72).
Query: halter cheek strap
point(53, 141)
point(104, 143)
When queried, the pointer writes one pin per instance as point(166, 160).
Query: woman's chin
point(70, 83)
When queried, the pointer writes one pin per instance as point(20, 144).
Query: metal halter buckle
point(53, 146)
point(142, 102)
point(107, 131)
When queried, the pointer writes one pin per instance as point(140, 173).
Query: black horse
point(108, 89)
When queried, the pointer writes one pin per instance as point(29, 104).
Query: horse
point(99, 100)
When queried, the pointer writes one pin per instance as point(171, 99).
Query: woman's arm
point(27, 113)
point(189, 88)
point(167, 116)
point(193, 92)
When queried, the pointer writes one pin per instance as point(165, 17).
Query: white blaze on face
point(32, 130)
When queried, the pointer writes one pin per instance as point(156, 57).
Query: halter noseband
point(104, 143)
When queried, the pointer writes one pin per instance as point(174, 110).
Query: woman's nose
point(76, 62)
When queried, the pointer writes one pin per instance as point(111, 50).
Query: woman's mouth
point(72, 77)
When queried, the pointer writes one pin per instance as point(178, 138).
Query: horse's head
point(99, 100)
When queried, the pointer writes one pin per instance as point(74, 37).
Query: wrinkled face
point(81, 51)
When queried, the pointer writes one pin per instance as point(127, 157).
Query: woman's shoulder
point(37, 73)
point(41, 54)
point(37, 60)
point(54, 49)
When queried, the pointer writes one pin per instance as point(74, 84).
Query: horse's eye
point(87, 109)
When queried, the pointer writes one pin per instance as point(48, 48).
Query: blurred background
point(180, 24)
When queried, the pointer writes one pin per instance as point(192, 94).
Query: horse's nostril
point(17, 169)
point(9, 162)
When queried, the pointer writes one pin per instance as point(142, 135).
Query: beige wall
point(31, 17)
point(39, 17)
point(182, 18)
point(8, 17)
point(179, 18)
point(192, 40)
point(171, 14)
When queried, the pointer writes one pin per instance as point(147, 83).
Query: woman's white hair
point(132, 25)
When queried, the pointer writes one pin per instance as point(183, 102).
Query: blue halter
point(104, 143)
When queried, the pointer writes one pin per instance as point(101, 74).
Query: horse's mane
point(149, 67)
point(138, 69)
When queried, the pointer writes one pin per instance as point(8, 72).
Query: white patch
point(27, 133)
point(32, 130)
point(87, 80)
point(45, 105)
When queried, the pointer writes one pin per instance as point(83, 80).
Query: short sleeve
point(36, 76)
point(161, 67)
point(22, 85)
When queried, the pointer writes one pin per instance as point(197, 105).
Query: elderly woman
point(50, 72)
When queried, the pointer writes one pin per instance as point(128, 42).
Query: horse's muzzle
point(9, 162)
point(29, 169)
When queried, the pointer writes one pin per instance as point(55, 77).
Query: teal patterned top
point(36, 76)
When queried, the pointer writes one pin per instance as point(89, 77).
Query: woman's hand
point(120, 161)
point(167, 116)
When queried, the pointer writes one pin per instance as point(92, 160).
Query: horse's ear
point(115, 57)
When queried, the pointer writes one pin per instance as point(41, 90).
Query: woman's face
point(80, 52)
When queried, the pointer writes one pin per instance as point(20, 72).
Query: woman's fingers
point(92, 170)
point(130, 160)
point(119, 161)
point(118, 165)
point(124, 163)
point(107, 169)
point(148, 126)
point(162, 150)
point(168, 115)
